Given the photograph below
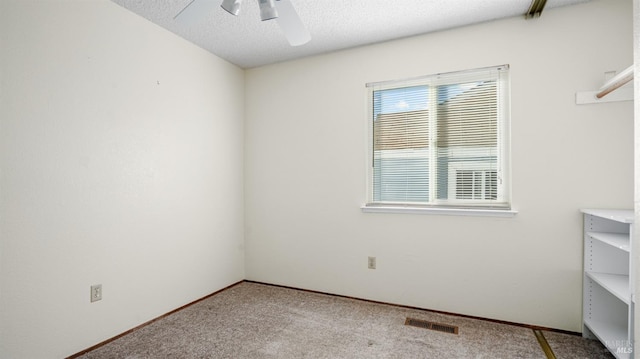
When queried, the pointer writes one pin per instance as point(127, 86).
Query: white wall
point(635, 246)
point(305, 134)
point(121, 151)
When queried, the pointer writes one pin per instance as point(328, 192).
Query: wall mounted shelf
point(615, 89)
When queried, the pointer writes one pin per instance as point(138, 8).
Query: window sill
point(508, 213)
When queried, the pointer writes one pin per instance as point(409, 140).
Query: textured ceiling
point(334, 24)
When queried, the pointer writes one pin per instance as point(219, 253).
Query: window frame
point(448, 206)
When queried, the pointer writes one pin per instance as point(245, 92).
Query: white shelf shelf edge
point(616, 284)
point(613, 90)
point(618, 215)
point(609, 335)
point(589, 97)
point(618, 240)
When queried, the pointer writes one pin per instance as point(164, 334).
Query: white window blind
point(441, 140)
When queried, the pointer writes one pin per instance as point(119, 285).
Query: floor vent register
point(445, 328)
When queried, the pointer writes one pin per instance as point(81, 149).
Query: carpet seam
point(544, 344)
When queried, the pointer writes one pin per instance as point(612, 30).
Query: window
point(441, 140)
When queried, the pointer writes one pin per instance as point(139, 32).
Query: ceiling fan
point(281, 10)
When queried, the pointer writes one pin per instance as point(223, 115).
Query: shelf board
point(618, 215)
point(616, 284)
point(618, 240)
point(610, 335)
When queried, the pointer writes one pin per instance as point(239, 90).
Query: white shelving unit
point(607, 295)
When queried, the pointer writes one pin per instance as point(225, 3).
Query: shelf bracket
point(613, 90)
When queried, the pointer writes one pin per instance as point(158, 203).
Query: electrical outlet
point(96, 292)
point(372, 262)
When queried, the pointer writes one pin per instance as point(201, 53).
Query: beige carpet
point(570, 346)
point(253, 320)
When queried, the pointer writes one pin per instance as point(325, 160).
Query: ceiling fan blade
point(291, 24)
point(196, 11)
